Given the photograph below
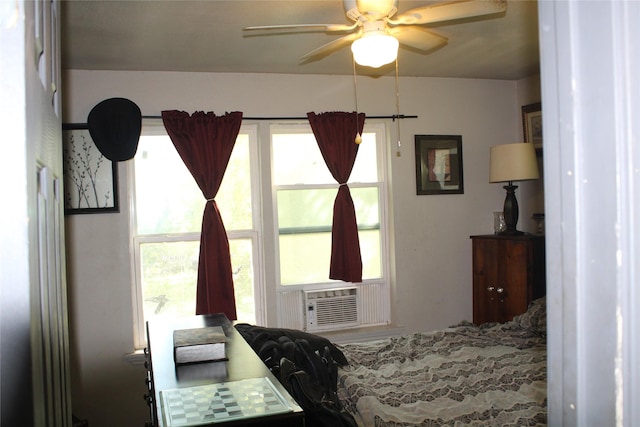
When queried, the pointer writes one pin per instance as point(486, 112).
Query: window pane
point(303, 209)
point(313, 208)
point(365, 168)
point(305, 217)
point(371, 254)
point(243, 274)
point(304, 220)
point(365, 201)
point(234, 197)
point(169, 273)
point(297, 160)
point(168, 199)
point(304, 258)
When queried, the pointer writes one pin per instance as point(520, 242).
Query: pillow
point(256, 336)
point(535, 318)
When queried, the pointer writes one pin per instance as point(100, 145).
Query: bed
point(465, 375)
point(490, 375)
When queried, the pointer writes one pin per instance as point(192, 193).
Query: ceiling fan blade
point(449, 11)
point(312, 27)
point(418, 38)
point(329, 48)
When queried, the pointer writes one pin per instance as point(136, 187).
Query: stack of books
point(199, 345)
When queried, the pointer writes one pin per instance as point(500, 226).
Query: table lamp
point(512, 162)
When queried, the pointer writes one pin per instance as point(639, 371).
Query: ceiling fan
point(376, 31)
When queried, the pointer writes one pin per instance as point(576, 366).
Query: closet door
point(34, 373)
point(49, 314)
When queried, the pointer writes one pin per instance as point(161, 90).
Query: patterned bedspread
point(492, 375)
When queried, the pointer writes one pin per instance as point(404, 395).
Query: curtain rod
point(398, 116)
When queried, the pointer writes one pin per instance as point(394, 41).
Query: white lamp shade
point(513, 162)
point(375, 49)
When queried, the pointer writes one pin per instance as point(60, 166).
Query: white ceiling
point(207, 35)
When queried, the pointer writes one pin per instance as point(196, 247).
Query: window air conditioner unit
point(332, 309)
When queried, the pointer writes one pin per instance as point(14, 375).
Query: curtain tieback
point(341, 184)
point(211, 200)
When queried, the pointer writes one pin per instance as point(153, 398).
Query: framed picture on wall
point(439, 164)
point(532, 124)
point(90, 179)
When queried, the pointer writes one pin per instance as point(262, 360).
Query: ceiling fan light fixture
point(375, 49)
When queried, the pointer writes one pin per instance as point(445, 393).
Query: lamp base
point(511, 211)
point(511, 233)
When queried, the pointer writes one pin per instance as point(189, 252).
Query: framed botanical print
point(90, 179)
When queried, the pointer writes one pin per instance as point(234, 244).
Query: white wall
point(432, 288)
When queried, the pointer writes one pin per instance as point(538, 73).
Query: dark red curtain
point(335, 133)
point(205, 142)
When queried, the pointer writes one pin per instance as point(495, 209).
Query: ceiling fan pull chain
point(398, 110)
point(358, 138)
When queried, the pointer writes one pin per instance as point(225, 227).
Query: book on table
point(213, 370)
point(199, 345)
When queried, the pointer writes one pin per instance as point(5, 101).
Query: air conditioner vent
point(332, 309)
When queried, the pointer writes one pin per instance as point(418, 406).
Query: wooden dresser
point(508, 273)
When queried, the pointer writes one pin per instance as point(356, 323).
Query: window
point(167, 215)
point(304, 196)
point(168, 207)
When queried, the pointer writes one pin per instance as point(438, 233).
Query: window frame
point(267, 287)
point(255, 234)
point(381, 132)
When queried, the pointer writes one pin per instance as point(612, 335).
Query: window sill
point(368, 333)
